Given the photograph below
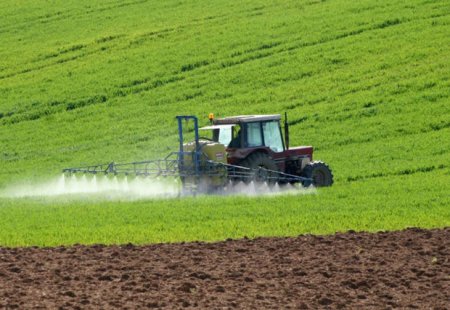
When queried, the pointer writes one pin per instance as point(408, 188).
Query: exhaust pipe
point(286, 131)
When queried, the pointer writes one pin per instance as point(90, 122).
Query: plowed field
point(409, 268)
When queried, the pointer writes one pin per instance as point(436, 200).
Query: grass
point(366, 83)
point(373, 205)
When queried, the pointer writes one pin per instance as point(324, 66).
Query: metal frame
point(181, 153)
point(168, 167)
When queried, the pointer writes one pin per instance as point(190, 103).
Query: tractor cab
point(248, 131)
point(245, 136)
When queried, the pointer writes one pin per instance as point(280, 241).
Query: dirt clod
point(70, 294)
point(325, 301)
point(187, 287)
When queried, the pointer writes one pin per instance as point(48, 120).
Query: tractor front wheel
point(319, 173)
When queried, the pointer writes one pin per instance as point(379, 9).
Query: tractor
point(256, 141)
point(245, 148)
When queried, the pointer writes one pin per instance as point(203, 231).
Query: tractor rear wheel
point(320, 174)
point(263, 168)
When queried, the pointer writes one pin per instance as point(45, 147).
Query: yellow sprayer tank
point(210, 150)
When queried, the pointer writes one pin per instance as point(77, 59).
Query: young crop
point(367, 84)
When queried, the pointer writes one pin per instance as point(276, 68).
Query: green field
point(367, 83)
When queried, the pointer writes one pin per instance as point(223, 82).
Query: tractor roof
point(246, 119)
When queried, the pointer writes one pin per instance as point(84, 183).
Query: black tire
point(258, 160)
point(320, 174)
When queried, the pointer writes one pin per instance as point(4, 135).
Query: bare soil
point(404, 269)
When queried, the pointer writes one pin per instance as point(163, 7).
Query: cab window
point(254, 137)
point(225, 135)
point(236, 137)
point(272, 136)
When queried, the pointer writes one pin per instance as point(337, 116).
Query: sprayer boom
point(174, 167)
point(163, 167)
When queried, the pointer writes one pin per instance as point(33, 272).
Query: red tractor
point(256, 141)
